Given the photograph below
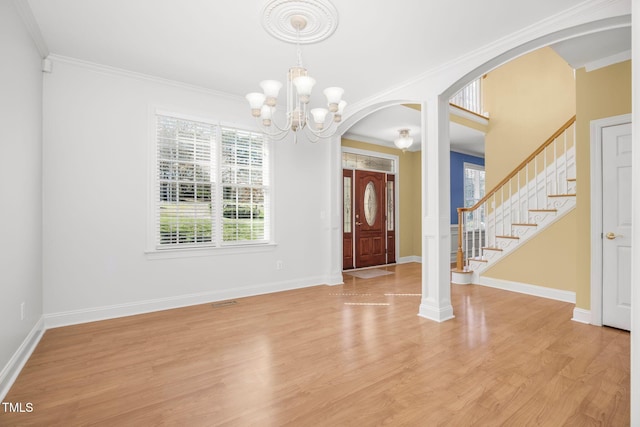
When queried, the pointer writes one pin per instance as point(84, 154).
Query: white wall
point(97, 135)
point(635, 240)
point(20, 186)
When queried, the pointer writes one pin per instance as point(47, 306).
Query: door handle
point(612, 236)
point(358, 223)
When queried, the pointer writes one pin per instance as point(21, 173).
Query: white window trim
point(466, 166)
point(474, 166)
point(151, 250)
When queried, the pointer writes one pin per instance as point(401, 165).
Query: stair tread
point(478, 259)
point(508, 237)
point(492, 249)
point(571, 179)
point(525, 224)
point(561, 195)
point(455, 270)
point(543, 210)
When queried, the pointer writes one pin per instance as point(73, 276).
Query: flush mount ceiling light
point(404, 140)
point(299, 22)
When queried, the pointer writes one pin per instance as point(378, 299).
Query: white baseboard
point(525, 288)
point(408, 259)
point(334, 279)
point(74, 317)
point(581, 315)
point(12, 369)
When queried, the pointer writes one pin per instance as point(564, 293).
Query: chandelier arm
point(286, 128)
point(278, 135)
point(326, 132)
point(312, 136)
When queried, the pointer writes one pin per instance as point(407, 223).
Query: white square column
point(436, 232)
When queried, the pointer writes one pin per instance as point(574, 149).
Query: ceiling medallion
point(302, 22)
point(321, 19)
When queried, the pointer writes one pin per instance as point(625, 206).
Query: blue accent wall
point(457, 180)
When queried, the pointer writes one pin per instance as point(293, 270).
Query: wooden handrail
point(451, 104)
point(522, 165)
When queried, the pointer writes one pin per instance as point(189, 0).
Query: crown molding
point(107, 69)
point(609, 60)
point(467, 152)
point(29, 21)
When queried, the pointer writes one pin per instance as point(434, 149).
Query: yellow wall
point(548, 259)
point(528, 99)
point(416, 202)
point(409, 195)
point(600, 93)
point(564, 249)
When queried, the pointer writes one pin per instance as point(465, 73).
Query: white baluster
point(495, 222)
point(546, 187)
point(574, 147)
point(526, 182)
point(535, 179)
point(519, 211)
point(502, 210)
point(510, 208)
point(483, 215)
point(555, 163)
point(566, 160)
point(473, 234)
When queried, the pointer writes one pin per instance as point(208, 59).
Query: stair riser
point(543, 220)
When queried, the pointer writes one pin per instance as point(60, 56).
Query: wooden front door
point(369, 219)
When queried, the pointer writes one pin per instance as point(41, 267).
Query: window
point(473, 191)
point(212, 185)
point(362, 161)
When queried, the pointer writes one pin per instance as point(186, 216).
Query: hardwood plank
point(303, 357)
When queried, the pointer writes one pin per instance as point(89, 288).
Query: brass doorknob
point(612, 236)
point(358, 223)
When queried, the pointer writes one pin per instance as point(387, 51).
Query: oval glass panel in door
point(370, 203)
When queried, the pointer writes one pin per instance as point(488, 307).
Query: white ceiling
point(221, 44)
point(589, 50)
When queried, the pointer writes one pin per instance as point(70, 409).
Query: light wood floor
point(304, 358)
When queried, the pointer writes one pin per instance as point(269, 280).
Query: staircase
point(537, 193)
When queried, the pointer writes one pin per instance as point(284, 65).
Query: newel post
point(460, 253)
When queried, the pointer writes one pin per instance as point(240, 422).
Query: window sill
point(172, 253)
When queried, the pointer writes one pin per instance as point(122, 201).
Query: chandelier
point(287, 21)
point(404, 140)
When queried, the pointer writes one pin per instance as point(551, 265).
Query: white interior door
point(616, 226)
